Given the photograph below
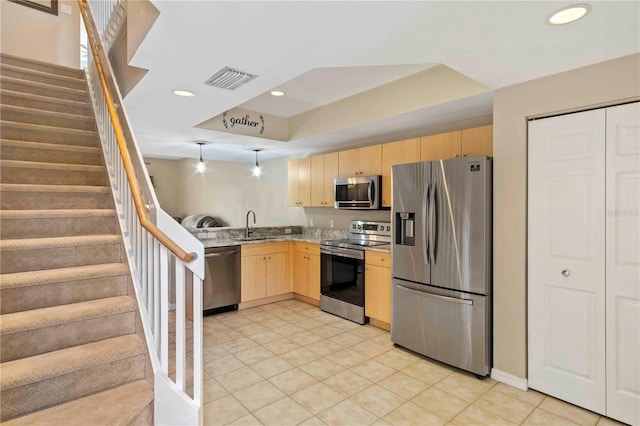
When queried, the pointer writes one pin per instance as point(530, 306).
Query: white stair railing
point(159, 250)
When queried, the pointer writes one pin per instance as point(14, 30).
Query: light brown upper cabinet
point(459, 143)
point(477, 141)
point(393, 153)
point(441, 146)
point(324, 169)
point(299, 182)
point(365, 161)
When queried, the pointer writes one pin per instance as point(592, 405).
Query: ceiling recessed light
point(184, 93)
point(277, 93)
point(568, 14)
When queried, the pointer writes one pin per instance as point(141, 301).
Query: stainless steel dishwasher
point(221, 285)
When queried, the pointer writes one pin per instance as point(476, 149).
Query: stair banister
point(143, 215)
point(159, 250)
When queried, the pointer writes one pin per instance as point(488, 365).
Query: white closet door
point(623, 263)
point(566, 251)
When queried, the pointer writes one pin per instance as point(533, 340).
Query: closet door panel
point(623, 263)
point(566, 246)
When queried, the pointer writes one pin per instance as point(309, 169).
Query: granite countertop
point(279, 238)
point(259, 240)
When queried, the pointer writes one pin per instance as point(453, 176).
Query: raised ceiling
point(325, 53)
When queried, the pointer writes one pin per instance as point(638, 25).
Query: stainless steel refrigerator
point(442, 255)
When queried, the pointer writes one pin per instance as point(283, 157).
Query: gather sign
point(230, 121)
point(249, 123)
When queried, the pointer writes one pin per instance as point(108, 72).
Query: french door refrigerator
point(442, 255)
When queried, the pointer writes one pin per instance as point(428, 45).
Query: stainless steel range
point(342, 268)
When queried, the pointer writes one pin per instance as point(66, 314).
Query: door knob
point(565, 273)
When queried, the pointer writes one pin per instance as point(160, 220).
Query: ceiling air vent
point(230, 79)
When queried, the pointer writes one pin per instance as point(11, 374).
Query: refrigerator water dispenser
point(405, 229)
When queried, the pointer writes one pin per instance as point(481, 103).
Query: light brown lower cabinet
point(377, 292)
point(306, 270)
point(265, 270)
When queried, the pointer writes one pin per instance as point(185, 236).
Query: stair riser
point(18, 133)
point(46, 104)
point(53, 79)
point(50, 91)
point(52, 176)
point(59, 257)
point(46, 339)
point(50, 155)
point(35, 117)
point(39, 66)
point(145, 418)
point(57, 227)
point(17, 200)
point(40, 395)
point(62, 293)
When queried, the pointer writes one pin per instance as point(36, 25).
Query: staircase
point(72, 348)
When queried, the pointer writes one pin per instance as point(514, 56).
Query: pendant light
point(201, 167)
point(257, 169)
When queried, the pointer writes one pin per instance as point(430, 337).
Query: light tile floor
point(289, 363)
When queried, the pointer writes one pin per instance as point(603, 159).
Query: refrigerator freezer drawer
point(449, 326)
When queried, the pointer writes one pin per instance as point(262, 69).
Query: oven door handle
point(352, 254)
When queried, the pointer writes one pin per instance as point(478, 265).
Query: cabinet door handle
point(456, 155)
point(566, 273)
point(464, 155)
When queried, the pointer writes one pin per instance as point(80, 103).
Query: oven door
point(342, 275)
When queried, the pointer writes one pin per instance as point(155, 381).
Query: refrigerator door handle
point(436, 296)
point(425, 230)
point(433, 224)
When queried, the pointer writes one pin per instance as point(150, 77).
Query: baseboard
point(509, 379)
point(264, 301)
point(306, 299)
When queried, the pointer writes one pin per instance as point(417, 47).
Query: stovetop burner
point(363, 234)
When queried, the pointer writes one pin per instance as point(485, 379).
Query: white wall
point(228, 190)
point(34, 34)
point(596, 85)
point(167, 183)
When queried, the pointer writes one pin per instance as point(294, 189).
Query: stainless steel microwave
point(357, 193)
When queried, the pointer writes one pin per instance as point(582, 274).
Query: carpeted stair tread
point(46, 103)
point(48, 214)
point(28, 86)
point(36, 278)
point(117, 406)
point(20, 114)
point(52, 166)
point(50, 152)
point(41, 76)
point(57, 242)
point(23, 196)
point(48, 134)
point(64, 314)
point(24, 187)
point(33, 369)
point(50, 146)
point(52, 129)
point(34, 64)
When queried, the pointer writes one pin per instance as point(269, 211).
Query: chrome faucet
point(247, 230)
